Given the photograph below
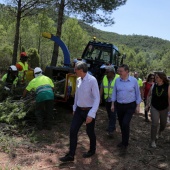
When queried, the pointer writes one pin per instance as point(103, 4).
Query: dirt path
point(32, 150)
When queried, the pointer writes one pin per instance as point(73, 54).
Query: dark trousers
point(146, 111)
point(125, 113)
point(44, 113)
point(78, 119)
point(111, 117)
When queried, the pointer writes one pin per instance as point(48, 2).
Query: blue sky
point(142, 17)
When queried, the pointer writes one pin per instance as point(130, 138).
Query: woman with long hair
point(146, 87)
point(160, 105)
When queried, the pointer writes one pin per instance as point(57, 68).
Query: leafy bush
point(33, 57)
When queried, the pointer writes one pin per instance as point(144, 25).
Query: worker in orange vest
point(23, 67)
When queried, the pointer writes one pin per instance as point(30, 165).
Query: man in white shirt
point(86, 103)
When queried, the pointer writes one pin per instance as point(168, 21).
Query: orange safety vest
point(22, 73)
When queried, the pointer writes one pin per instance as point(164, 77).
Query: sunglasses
point(152, 78)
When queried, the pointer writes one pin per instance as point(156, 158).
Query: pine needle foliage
point(12, 111)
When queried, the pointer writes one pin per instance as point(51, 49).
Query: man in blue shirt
point(126, 94)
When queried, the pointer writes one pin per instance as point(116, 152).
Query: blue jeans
point(111, 117)
point(78, 119)
point(125, 113)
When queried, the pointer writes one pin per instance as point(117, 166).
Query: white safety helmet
point(37, 71)
point(103, 66)
point(13, 68)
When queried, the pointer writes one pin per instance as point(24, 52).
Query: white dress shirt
point(87, 94)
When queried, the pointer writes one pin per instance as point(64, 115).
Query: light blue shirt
point(126, 91)
point(87, 94)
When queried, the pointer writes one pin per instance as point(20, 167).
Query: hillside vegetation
point(144, 43)
point(144, 54)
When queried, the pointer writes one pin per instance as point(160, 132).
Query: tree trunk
point(16, 40)
point(59, 29)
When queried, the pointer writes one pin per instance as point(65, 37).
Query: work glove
point(6, 88)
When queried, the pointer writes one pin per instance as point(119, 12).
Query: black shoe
point(120, 145)
point(67, 158)
point(88, 154)
point(147, 120)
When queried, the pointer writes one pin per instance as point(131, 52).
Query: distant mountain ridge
point(144, 43)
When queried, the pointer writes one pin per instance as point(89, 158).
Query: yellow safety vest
point(140, 83)
point(22, 73)
point(14, 82)
point(108, 89)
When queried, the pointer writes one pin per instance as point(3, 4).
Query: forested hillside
point(144, 53)
point(144, 43)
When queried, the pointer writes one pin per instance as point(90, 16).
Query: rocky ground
point(28, 149)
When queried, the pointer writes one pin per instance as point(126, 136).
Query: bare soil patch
point(28, 149)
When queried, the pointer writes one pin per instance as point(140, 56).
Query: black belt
point(84, 108)
point(125, 103)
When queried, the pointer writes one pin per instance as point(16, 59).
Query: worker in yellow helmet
point(43, 87)
point(106, 89)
